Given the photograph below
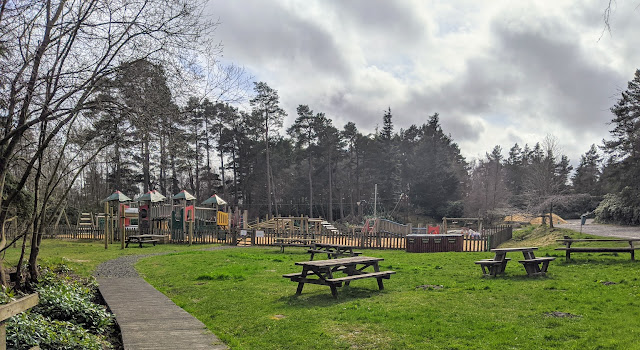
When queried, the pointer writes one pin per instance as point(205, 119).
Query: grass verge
point(84, 256)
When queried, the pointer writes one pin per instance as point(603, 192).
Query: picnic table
point(332, 250)
point(139, 239)
point(294, 242)
point(567, 241)
point(532, 265)
point(322, 272)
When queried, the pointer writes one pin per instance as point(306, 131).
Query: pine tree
point(266, 107)
point(587, 175)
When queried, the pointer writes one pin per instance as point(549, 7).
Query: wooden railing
point(11, 309)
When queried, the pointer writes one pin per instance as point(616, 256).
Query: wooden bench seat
point(491, 267)
point(292, 245)
point(380, 274)
point(570, 250)
point(292, 275)
point(533, 268)
point(139, 242)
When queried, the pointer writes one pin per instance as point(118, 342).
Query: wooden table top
point(515, 249)
point(144, 236)
point(285, 239)
point(339, 262)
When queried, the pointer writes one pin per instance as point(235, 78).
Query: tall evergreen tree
point(624, 148)
point(305, 134)
point(266, 106)
point(387, 126)
point(587, 175)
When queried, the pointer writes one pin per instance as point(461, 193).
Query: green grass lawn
point(240, 295)
point(84, 256)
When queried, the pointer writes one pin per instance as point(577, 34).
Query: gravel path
point(603, 229)
point(122, 267)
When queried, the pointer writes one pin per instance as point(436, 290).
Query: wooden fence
point(380, 239)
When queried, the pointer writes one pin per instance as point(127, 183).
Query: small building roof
point(214, 200)
point(184, 195)
point(151, 196)
point(117, 196)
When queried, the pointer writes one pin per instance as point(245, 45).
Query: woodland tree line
point(316, 168)
point(92, 99)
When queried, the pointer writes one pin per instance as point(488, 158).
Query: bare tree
point(56, 56)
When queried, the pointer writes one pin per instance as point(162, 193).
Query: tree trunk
point(146, 166)
point(341, 205)
point(163, 165)
point(266, 142)
point(310, 188)
point(19, 275)
point(3, 243)
point(551, 215)
point(235, 175)
point(197, 174)
point(330, 217)
point(224, 186)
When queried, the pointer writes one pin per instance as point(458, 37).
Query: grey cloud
point(261, 34)
point(395, 20)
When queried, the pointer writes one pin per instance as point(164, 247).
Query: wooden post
point(245, 219)
point(106, 225)
point(121, 225)
point(12, 309)
point(191, 230)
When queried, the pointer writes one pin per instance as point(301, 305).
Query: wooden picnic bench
point(294, 242)
point(333, 251)
point(140, 239)
point(532, 265)
point(569, 249)
point(321, 272)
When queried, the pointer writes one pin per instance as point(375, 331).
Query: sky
point(497, 72)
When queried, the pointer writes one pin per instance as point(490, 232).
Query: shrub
point(30, 329)
point(68, 300)
point(619, 209)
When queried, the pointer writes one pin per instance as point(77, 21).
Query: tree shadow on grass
point(603, 259)
point(323, 298)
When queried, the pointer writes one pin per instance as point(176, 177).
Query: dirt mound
point(556, 220)
point(522, 218)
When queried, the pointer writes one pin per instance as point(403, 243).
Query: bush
point(68, 300)
point(576, 205)
point(30, 329)
point(618, 209)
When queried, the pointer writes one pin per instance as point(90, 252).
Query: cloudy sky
point(497, 72)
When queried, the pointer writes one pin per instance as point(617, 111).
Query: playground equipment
point(147, 222)
point(462, 222)
point(189, 222)
point(115, 217)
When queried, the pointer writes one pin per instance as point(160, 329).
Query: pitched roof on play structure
point(184, 195)
point(117, 196)
point(151, 196)
point(214, 200)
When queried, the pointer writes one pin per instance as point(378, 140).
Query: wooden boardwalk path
point(150, 320)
